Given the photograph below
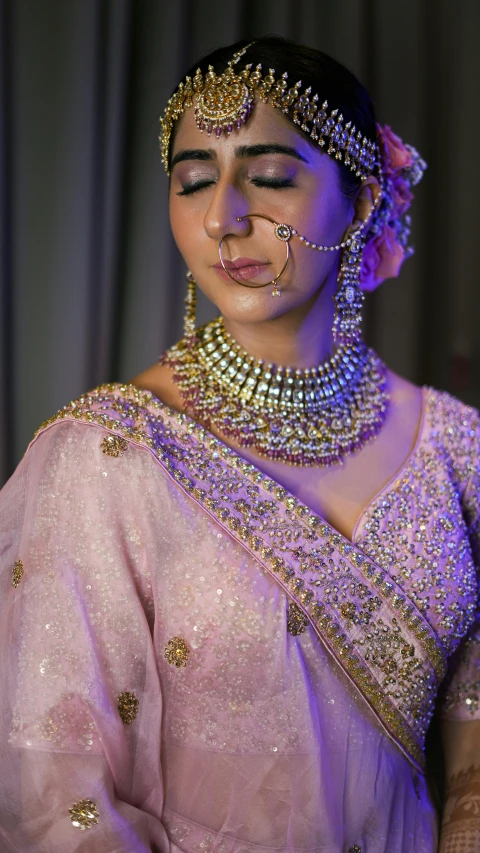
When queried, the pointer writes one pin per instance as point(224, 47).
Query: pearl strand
point(311, 245)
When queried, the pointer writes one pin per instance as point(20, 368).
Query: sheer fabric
point(111, 576)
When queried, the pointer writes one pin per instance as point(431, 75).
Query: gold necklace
point(315, 416)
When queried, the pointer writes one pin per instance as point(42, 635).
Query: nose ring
point(282, 232)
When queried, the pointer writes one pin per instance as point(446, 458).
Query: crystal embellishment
point(84, 814)
point(114, 445)
point(283, 232)
point(297, 622)
point(315, 416)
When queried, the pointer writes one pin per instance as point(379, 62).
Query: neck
point(299, 339)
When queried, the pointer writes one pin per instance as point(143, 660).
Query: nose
point(221, 217)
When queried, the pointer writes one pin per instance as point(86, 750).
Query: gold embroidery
point(396, 662)
point(114, 445)
point(177, 652)
point(84, 814)
point(354, 849)
point(17, 573)
point(127, 705)
point(297, 622)
point(348, 610)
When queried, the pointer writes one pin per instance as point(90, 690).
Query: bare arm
point(460, 830)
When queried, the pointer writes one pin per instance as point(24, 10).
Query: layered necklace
point(315, 416)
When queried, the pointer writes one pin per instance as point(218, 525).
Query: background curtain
point(91, 285)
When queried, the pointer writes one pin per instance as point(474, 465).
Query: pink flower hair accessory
point(386, 243)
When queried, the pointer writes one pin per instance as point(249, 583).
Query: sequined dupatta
point(381, 640)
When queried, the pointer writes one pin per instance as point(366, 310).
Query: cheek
point(325, 221)
point(187, 227)
point(310, 268)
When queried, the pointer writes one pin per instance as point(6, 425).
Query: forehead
point(266, 124)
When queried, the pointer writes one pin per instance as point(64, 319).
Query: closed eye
point(269, 183)
point(273, 183)
point(193, 188)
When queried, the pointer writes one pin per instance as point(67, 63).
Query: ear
point(366, 197)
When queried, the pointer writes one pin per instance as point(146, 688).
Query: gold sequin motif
point(177, 652)
point(297, 622)
point(84, 814)
point(354, 849)
point(114, 445)
point(17, 573)
point(127, 705)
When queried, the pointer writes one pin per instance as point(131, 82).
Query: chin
point(253, 306)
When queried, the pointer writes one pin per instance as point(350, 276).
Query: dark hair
point(331, 80)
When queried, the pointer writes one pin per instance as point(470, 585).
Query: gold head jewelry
point(224, 102)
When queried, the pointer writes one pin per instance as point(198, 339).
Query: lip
point(246, 268)
point(238, 263)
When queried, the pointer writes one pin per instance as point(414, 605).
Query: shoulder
point(453, 428)
point(126, 409)
point(456, 423)
point(113, 421)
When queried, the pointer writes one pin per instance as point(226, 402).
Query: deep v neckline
point(413, 452)
point(234, 454)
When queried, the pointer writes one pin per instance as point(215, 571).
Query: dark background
point(91, 285)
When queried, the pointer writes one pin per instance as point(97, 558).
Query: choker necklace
point(315, 416)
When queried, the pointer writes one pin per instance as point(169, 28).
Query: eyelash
point(272, 184)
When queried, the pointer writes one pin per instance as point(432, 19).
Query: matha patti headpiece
point(224, 102)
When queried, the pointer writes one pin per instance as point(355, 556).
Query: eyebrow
point(269, 148)
point(243, 152)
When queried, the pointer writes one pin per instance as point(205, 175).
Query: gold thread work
point(177, 652)
point(17, 573)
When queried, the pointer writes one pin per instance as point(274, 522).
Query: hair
point(328, 78)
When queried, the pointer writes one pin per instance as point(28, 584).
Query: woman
point(233, 591)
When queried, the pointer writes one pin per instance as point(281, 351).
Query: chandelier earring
point(190, 316)
point(349, 298)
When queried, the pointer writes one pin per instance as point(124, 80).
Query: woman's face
point(265, 168)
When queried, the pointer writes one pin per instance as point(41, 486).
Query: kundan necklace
point(315, 416)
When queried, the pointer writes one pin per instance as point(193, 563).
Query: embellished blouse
point(192, 660)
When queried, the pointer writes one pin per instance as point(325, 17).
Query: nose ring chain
point(284, 233)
